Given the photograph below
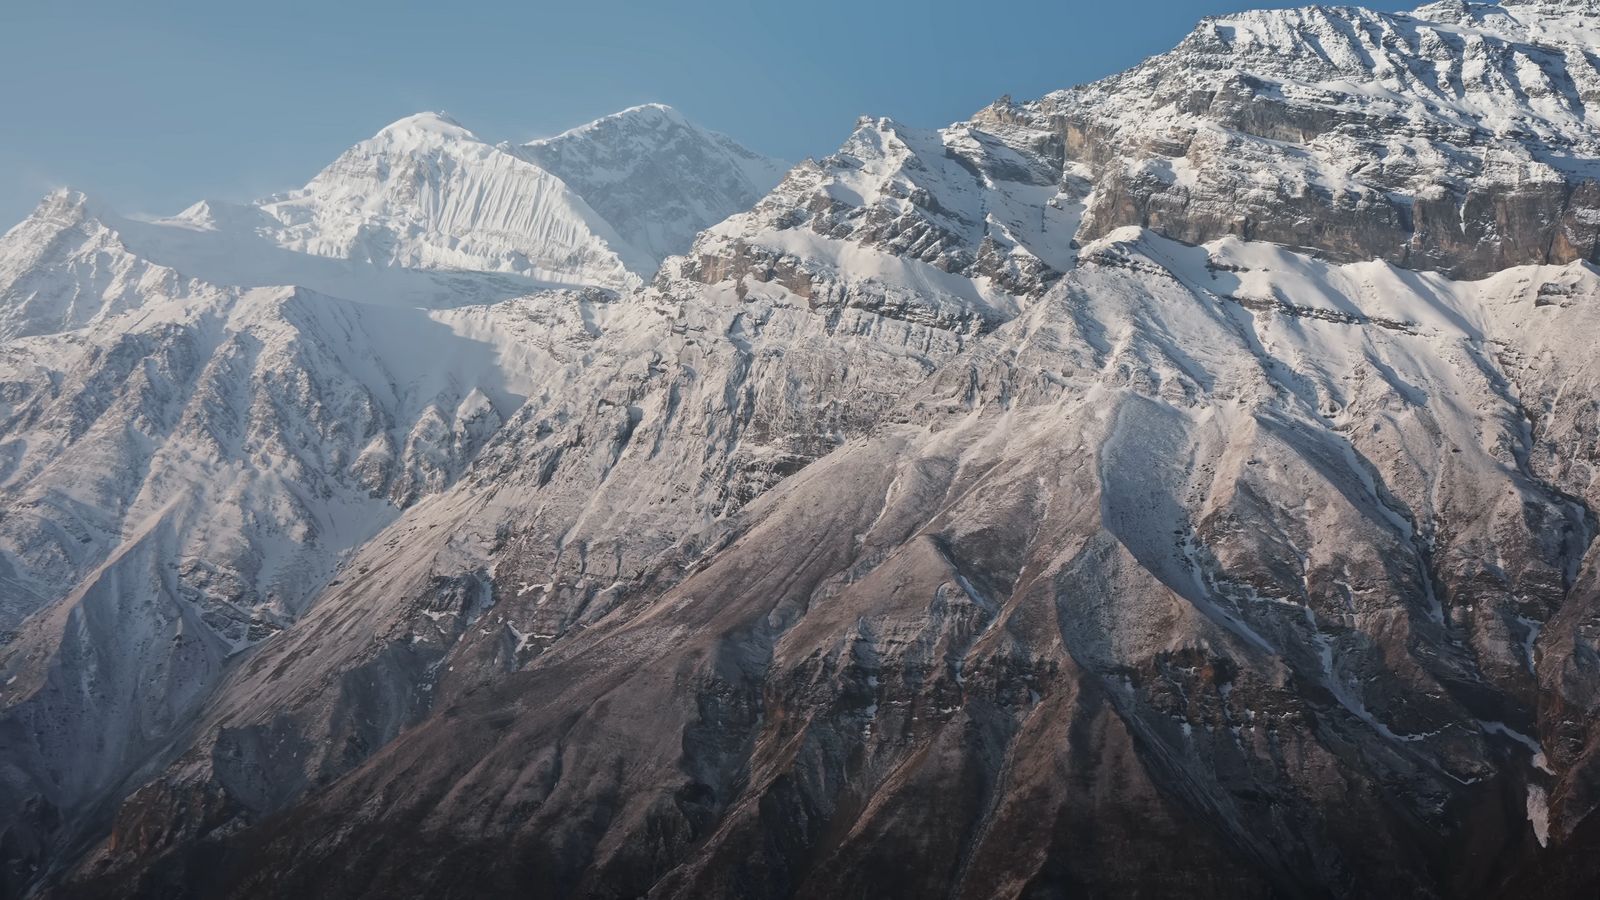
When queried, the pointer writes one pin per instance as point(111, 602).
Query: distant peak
point(647, 112)
point(428, 123)
point(880, 125)
point(64, 201)
point(213, 215)
point(66, 196)
point(651, 115)
point(61, 208)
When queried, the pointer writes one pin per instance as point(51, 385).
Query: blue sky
point(150, 105)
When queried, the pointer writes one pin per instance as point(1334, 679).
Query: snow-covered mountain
point(426, 193)
point(1457, 137)
point(202, 416)
point(1184, 484)
point(656, 177)
point(421, 214)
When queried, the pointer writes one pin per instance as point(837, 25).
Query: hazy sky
point(150, 105)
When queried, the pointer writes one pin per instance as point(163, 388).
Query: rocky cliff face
point(1455, 138)
point(1137, 491)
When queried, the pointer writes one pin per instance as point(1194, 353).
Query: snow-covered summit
point(1547, 22)
point(652, 115)
point(423, 213)
point(1458, 137)
point(64, 266)
point(655, 176)
point(428, 123)
point(953, 227)
point(599, 205)
point(425, 192)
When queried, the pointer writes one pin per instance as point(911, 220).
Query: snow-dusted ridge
point(424, 213)
point(1184, 484)
point(1460, 137)
point(655, 176)
point(426, 193)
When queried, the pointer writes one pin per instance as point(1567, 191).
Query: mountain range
point(1182, 484)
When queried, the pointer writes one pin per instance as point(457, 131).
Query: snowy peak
point(645, 115)
point(957, 229)
point(656, 177)
point(598, 206)
point(1459, 138)
point(424, 132)
point(62, 204)
point(1483, 68)
point(426, 193)
point(423, 213)
point(61, 209)
point(1547, 22)
point(67, 265)
point(427, 123)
